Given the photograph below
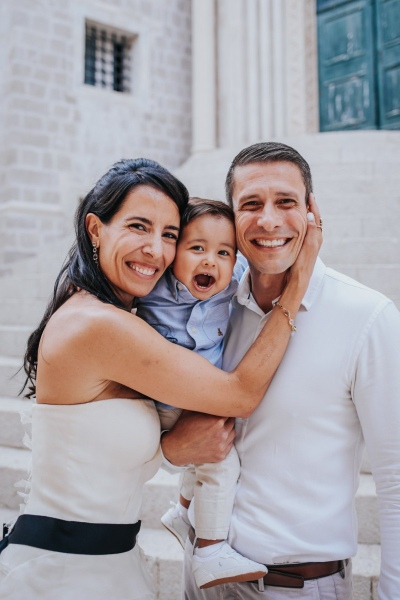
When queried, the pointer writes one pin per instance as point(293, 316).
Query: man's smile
point(271, 243)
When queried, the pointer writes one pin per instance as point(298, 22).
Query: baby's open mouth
point(204, 280)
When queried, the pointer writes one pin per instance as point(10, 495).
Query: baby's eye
point(223, 253)
point(197, 248)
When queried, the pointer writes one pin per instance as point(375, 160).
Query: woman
point(92, 364)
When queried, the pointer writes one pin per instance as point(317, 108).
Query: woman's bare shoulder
point(84, 311)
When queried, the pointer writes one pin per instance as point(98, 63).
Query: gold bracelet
point(287, 314)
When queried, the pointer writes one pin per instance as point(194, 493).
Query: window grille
point(107, 59)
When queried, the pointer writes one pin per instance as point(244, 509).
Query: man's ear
point(93, 226)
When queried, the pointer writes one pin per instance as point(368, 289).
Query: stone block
point(158, 493)
point(14, 467)
point(11, 377)
point(164, 557)
point(11, 429)
point(13, 339)
point(22, 311)
point(367, 511)
point(366, 567)
point(16, 86)
point(367, 251)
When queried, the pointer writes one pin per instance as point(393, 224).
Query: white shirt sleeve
point(376, 394)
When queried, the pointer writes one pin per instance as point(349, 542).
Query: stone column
point(253, 96)
point(266, 82)
point(204, 75)
point(279, 43)
point(301, 67)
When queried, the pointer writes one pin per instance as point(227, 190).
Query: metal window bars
point(107, 59)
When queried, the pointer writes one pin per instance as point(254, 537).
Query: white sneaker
point(176, 524)
point(225, 566)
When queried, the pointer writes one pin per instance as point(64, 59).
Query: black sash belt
point(72, 537)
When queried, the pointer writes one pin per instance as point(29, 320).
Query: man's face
point(270, 211)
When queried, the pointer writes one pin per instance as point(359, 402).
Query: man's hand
point(198, 438)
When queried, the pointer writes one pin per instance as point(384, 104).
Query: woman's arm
point(101, 344)
point(135, 355)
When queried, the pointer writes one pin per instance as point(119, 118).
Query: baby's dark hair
point(199, 207)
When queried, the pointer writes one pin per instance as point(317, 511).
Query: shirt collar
point(245, 297)
point(178, 289)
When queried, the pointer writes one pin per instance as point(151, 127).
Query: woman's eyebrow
point(149, 222)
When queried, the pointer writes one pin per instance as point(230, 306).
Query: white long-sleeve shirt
point(337, 387)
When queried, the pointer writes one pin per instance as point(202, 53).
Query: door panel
point(346, 65)
point(388, 51)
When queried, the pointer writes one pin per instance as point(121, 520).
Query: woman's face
point(139, 243)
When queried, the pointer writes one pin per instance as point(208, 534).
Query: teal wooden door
point(388, 51)
point(359, 64)
point(346, 65)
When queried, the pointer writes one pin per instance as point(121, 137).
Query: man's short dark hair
point(265, 152)
point(198, 207)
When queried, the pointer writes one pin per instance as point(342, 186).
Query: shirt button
point(179, 286)
point(193, 329)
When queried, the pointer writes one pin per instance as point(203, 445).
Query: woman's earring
point(95, 254)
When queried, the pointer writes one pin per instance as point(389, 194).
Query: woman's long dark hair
point(79, 269)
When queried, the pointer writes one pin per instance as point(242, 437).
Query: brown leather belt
point(294, 575)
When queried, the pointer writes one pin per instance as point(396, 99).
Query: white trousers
point(212, 485)
point(333, 587)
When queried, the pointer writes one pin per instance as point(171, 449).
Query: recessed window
point(107, 58)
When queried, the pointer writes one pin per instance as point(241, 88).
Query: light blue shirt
point(199, 325)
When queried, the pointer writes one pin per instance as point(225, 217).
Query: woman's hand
point(303, 267)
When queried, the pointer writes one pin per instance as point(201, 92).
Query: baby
point(190, 306)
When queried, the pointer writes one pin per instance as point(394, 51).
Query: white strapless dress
point(89, 463)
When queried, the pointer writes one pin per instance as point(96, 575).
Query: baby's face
point(206, 255)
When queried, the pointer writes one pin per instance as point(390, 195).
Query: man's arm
point(376, 394)
point(198, 438)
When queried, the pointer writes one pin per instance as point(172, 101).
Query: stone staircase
point(357, 184)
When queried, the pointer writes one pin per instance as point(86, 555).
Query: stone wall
point(58, 134)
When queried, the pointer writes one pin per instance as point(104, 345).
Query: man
point(336, 388)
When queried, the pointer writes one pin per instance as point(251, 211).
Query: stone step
point(13, 339)
point(14, 466)
point(336, 199)
point(366, 568)
point(367, 251)
point(367, 511)
point(343, 225)
point(164, 558)
point(11, 428)
point(162, 489)
point(11, 376)
point(158, 493)
point(22, 311)
point(33, 284)
point(42, 268)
